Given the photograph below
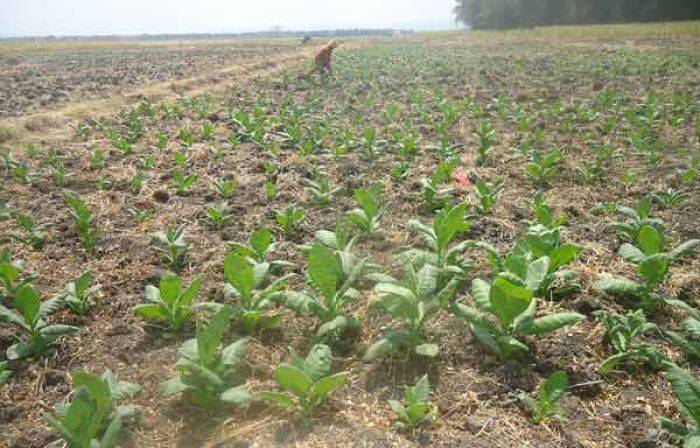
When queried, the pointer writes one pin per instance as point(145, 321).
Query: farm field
point(39, 76)
point(481, 210)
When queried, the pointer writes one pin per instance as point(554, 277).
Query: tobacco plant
point(34, 234)
point(84, 222)
point(306, 383)
point(209, 374)
point(623, 333)
point(505, 311)
point(686, 388)
point(689, 340)
point(36, 336)
point(415, 409)
point(371, 208)
point(410, 301)
point(333, 275)
point(90, 418)
point(550, 392)
point(79, 294)
point(172, 247)
point(169, 302)
point(11, 279)
point(653, 264)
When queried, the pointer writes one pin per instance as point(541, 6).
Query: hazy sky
point(80, 17)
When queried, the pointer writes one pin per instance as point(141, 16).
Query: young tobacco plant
point(686, 388)
point(485, 136)
point(653, 266)
point(254, 291)
point(219, 216)
point(486, 192)
point(11, 279)
point(637, 216)
point(414, 410)
point(34, 235)
point(622, 333)
point(84, 222)
point(306, 383)
point(689, 340)
point(411, 301)
point(332, 274)
point(441, 249)
point(544, 214)
point(28, 316)
point(259, 248)
point(543, 167)
point(537, 261)
point(321, 190)
point(226, 188)
point(505, 311)
point(90, 418)
point(289, 219)
point(78, 295)
point(172, 247)
point(209, 373)
point(433, 196)
point(169, 302)
point(183, 182)
point(550, 392)
point(5, 372)
point(372, 206)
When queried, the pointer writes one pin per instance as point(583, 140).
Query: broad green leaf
point(429, 350)
point(654, 269)
point(260, 241)
point(336, 325)
point(239, 273)
point(232, 354)
point(28, 302)
point(379, 349)
point(684, 248)
point(611, 362)
point(318, 362)
point(323, 270)
point(687, 390)
point(170, 288)
point(618, 286)
point(277, 398)
point(553, 389)
point(537, 273)
point(174, 386)
point(7, 315)
point(150, 311)
point(628, 252)
point(190, 293)
point(119, 389)
point(327, 385)
point(110, 437)
point(54, 331)
point(650, 240)
point(293, 379)
point(451, 223)
point(209, 336)
point(552, 322)
point(96, 387)
point(563, 255)
point(236, 395)
point(420, 392)
point(508, 300)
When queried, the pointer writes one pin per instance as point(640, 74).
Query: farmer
point(322, 61)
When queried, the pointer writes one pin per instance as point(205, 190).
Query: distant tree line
point(484, 14)
point(209, 36)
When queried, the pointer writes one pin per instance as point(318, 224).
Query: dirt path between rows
point(54, 124)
